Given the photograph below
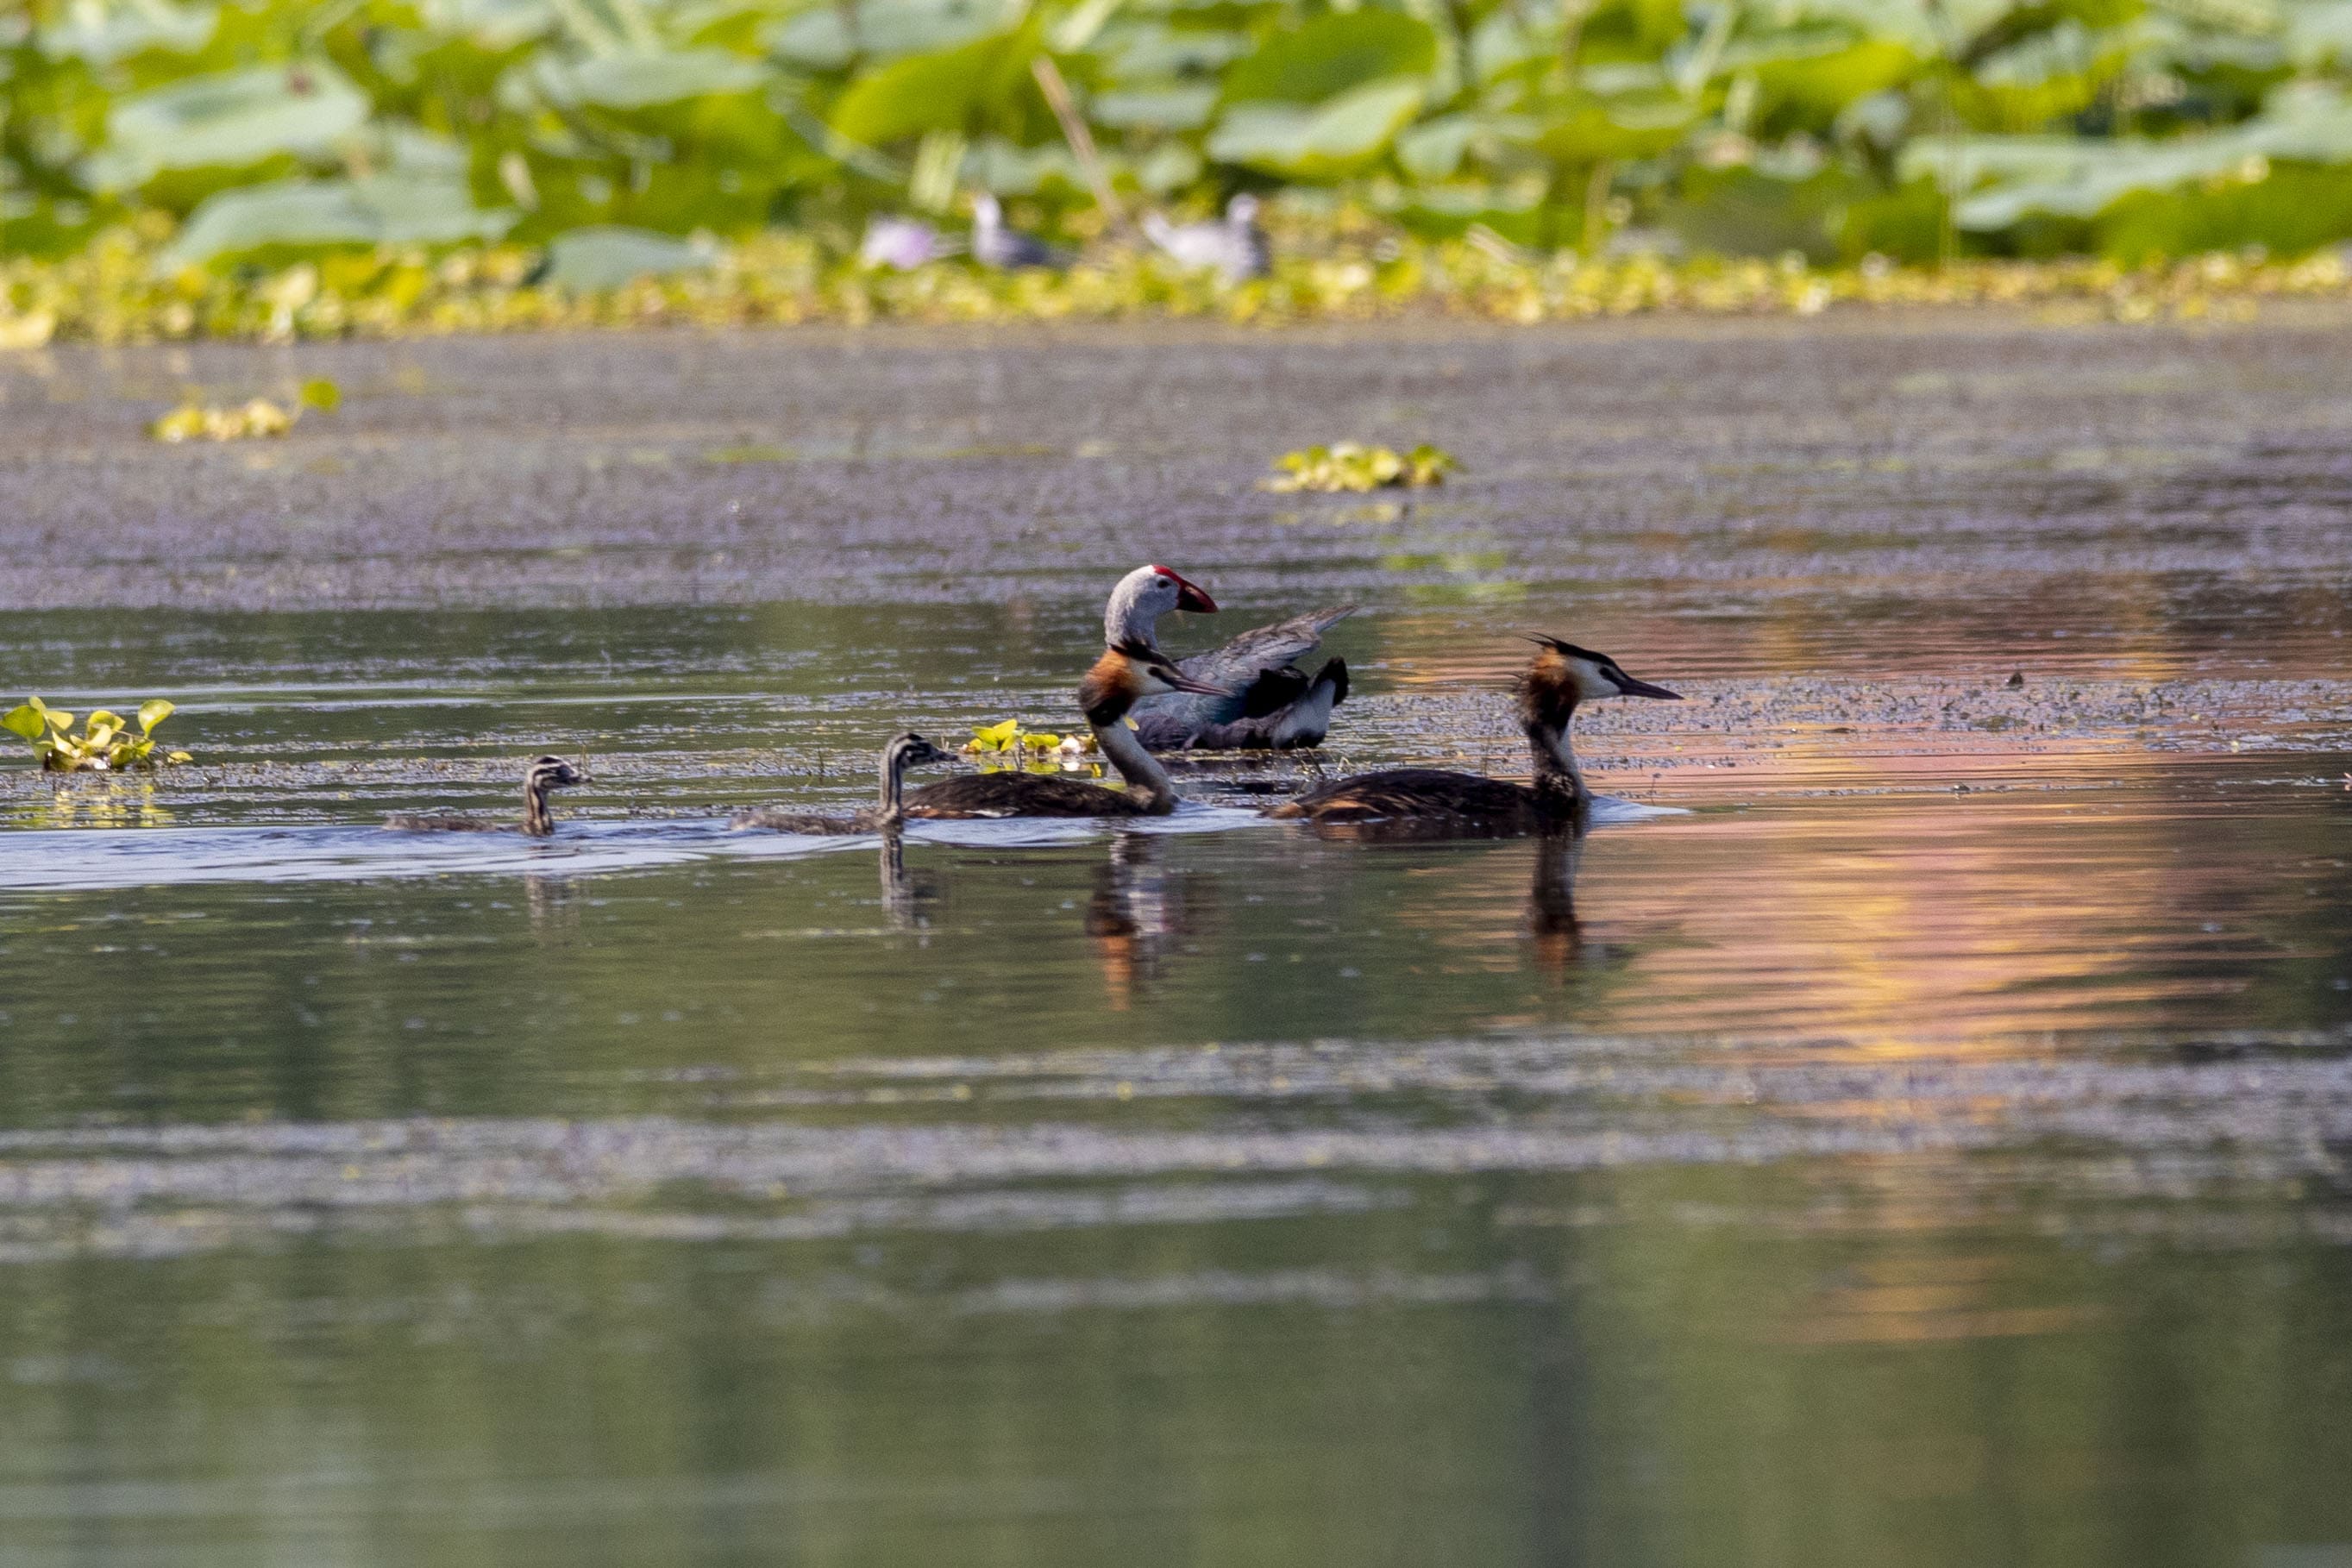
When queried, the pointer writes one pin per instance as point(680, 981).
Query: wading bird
point(904, 751)
point(1428, 800)
point(1235, 247)
point(544, 774)
point(1005, 249)
point(1123, 676)
point(1271, 703)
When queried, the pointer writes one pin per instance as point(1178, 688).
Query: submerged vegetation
point(106, 742)
point(281, 168)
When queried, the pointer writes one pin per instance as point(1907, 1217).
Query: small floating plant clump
point(257, 418)
point(1033, 750)
point(1348, 468)
point(106, 743)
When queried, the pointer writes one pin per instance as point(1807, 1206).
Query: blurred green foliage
point(631, 136)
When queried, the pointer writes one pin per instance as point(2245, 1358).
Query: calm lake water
point(1912, 1132)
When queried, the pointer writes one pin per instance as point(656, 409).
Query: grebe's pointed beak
point(1629, 687)
point(1180, 681)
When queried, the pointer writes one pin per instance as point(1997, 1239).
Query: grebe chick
point(544, 774)
point(1428, 800)
point(905, 750)
point(1272, 704)
point(1123, 676)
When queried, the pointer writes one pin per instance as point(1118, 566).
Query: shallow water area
point(1908, 1130)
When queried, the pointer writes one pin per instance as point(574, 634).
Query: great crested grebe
point(1006, 249)
point(1236, 245)
point(543, 774)
point(905, 750)
point(1119, 679)
point(1428, 800)
point(1271, 704)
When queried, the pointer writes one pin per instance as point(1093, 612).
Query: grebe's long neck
point(894, 784)
point(1557, 774)
point(535, 818)
point(1139, 767)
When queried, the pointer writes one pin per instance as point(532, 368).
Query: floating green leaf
point(1347, 467)
point(103, 744)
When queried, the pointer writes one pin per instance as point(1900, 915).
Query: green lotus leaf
point(940, 91)
point(602, 257)
point(643, 78)
point(1333, 54)
point(230, 119)
point(1321, 143)
point(384, 209)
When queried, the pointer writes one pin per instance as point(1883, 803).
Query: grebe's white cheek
point(1590, 684)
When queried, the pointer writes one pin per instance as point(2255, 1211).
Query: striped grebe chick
point(1429, 800)
point(905, 750)
point(1125, 673)
point(544, 774)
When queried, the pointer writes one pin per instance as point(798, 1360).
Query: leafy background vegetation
point(608, 139)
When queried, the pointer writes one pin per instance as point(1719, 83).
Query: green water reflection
point(999, 1207)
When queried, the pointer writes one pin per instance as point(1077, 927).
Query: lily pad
point(1333, 54)
point(1320, 142)
point(384, 209)
point(231, 119)
point(606, 256)
point(642, 78)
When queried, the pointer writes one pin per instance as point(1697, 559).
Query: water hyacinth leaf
point(1318, 143)
point(27, 720)
point(230, 119)
point(995, 737)
point(608, 256)
point(154, 712)
point(640, 79)
point(1333, 54)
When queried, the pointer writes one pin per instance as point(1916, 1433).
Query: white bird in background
point(1235, 247)
point(1008, 250)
